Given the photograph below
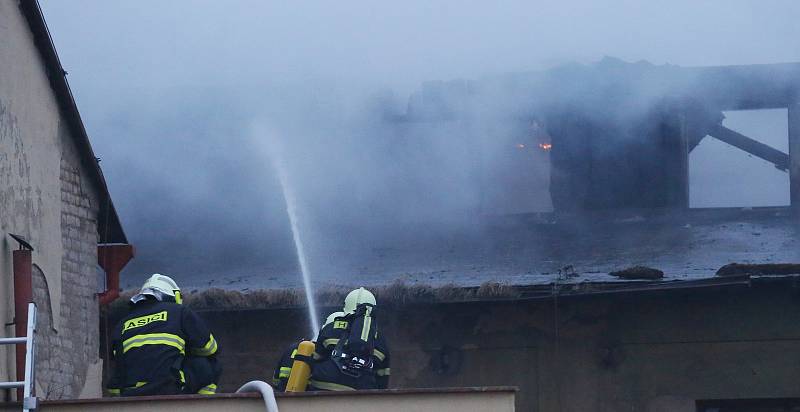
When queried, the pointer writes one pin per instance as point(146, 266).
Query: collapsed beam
point(752, 146)
point(794, 155)
point(694, 141)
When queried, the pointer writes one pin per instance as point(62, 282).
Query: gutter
point(66, 101)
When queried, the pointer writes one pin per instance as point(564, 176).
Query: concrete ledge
point(478, 399)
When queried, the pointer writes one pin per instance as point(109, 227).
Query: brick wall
point(64, 355)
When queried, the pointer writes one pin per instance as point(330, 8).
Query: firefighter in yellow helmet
point(281, 375)
point(352, 353)
point(162, 347)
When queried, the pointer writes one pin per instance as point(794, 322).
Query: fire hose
point(266, 393)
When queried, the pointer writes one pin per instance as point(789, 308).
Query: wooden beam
point(794, 155)
point(752, 146)
point(682, 156)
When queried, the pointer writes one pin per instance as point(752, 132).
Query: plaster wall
point(47, 197)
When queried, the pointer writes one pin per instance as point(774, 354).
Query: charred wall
point(607, 353)
point(621, 132)
point(638, 160)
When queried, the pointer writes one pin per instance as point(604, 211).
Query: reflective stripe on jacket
point(149, 344)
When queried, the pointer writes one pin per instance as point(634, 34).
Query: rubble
point(394, 294)
point(639, 273)
point(737, 269)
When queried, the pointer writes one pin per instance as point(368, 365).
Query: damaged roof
point(540, 251)
point(400, 294)
point(742, 87)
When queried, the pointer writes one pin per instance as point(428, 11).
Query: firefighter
point(162, 347)
point(352, 354)
point(284, 368)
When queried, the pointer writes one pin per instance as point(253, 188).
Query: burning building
point(586, 173)
point(619, 135)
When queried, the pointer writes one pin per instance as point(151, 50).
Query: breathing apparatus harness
point(353, 353)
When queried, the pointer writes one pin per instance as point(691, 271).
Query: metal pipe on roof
point(23, 295)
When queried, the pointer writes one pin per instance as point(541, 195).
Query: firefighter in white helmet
point(162, 347)
point(351, 353)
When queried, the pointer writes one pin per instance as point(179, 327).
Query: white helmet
point(158, 286)
point(333, 317)
point(357, 297)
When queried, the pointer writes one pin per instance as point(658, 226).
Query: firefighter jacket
point(325, 373)
point(149, 347)
point(284, 368)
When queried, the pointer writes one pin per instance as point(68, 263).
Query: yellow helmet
point(357, 297)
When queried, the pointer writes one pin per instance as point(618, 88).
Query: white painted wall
point(33, 139)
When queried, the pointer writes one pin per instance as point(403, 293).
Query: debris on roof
point(394, 294)
point(638, 272)
point(399, 293)
point(734, 269)
point(497, 290)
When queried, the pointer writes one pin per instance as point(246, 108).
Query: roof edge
point(401, 294)
point(107, 216)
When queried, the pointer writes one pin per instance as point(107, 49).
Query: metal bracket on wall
point(23, 243)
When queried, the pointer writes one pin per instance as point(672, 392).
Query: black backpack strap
point(353, 353)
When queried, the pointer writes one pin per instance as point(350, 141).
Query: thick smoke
point(182, 103)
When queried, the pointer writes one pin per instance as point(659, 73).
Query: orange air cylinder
point(301, 370)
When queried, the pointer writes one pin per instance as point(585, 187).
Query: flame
point(545, 146)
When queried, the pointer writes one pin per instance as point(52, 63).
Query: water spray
point(291, 210)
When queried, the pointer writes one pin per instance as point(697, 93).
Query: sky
point(185, 101)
